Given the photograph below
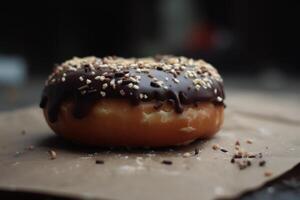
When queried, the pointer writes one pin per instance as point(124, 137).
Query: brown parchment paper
point(271, 122)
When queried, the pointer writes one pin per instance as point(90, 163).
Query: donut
point(134, 102)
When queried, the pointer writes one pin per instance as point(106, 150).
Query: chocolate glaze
point(178, 80)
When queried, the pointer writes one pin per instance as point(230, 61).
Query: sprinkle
point(101, 162)
point(130, 85)
point(224, 150)
point(52, 154)
point(268, 174)
point(136, 87)
point(167, 162)
point(262, 163)
point(216, 147)
point(102, 93)
point(215, 90)
point(81, 78)
point(187, 154)
point(93, 73)
point(122, 92)
point(64, 74)
point(249, 141)
point(101, 78)
point(197, 87)
point(176, 80)
point(119, 82)
point(219, 99)
point(88, 81)
point(141, 96)
point(63, 79)
point(104, 86)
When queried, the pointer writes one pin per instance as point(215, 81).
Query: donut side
point(115, 122)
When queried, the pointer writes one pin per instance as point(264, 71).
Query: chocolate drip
point(86, 85)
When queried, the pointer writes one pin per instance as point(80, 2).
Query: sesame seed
point(119, 82)
point(52, 154)
point(104, 86)
point(176, 80)
point(197, 87)
point(216, 147)
point(130, 85)
point(187, 154)
point(101, 78)
point(122, 92)
point(102, 93)
point(88, 81)
point(219, 99)
point(249, 141)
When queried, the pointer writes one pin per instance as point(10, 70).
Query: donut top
point(178, 80)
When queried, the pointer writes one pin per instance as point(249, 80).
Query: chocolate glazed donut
point(165, 83)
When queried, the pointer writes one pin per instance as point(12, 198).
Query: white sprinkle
point(141, 96)
point(104, 86)
point(88, 81)
point(122, 92)
point(166, 87)
point(130, 85)
point(93, 73)
point(101, 78)
point(81, 78)
point(64, 74)
point(102, 93)
point(119, 82)
point(145, 96)
point(136, 87)
point(53, 80)
point(63, 79)
point(175, 80)
point(197, 87)
point(219, 99)
point(215, 91)
point(112, 82)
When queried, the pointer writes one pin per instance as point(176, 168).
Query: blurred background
point(254, 44)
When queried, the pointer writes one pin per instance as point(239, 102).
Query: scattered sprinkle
point(52, 154)
point(167, 162)
point(101, 162)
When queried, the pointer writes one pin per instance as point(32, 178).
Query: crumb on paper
point(187, 154)
point(52, 154)
point(216, 147)
point(268, 174)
